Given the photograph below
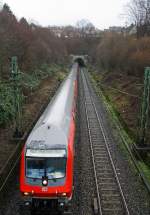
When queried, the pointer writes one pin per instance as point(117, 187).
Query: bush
point(6, 105)
point(27, 83)
point(124, 53)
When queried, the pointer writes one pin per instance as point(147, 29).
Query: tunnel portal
point(80, 62)
point(80, 59)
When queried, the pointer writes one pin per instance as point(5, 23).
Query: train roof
point(52, 129)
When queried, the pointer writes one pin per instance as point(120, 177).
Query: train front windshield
point(52, 167)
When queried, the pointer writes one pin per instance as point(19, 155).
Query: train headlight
point(45, 182)
point(64, 194)
point(26, 193)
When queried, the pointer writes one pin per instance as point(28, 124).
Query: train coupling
point(27, 201)
point(64, 204)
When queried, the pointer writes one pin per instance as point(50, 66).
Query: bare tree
point(138, 11)
point(1, 5)
point(85, 27)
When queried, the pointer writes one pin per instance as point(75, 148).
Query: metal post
point(17, 97)
point(145, 109)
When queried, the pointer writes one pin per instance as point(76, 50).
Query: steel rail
point(111, 159)
point(93, 161)
point(108, 151)
point(10, 172)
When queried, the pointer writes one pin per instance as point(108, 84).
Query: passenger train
point(47, 159)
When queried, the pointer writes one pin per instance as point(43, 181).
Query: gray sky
point(102, 13)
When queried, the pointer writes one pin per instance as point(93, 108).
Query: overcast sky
point(102, 13)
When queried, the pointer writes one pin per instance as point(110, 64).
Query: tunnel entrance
point(80, 62)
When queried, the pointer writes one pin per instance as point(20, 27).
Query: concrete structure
point(79, 59)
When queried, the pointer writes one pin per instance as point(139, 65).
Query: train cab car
point(46, 170)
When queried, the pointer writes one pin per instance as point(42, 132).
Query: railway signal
point(17, 102)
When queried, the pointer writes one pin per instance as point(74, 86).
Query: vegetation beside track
point(28, 83)
point(127, 136)
point(34, 100)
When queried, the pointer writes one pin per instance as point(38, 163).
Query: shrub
point(124, 53)
point(6, 105)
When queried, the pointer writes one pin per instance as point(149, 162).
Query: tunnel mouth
point(80, 62)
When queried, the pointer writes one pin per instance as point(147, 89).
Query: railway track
point(110, 196)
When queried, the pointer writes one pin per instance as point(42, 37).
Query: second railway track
point(110, 196)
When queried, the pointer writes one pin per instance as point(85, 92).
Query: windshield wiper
point(53, 179)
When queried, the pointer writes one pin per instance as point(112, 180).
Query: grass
point(145, 169)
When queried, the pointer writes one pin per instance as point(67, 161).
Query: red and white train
point(47, 159)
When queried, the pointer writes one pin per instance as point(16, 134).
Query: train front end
point(46, 173)
point(45, 178)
